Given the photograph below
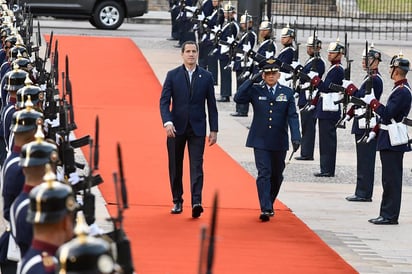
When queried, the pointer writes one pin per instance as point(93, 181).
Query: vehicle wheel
point(92, 22)
point(108, 15)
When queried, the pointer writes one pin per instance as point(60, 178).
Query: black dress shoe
point(265, 215)
point(172, 39)
point(323, 174)
point(304, 158)
point(383, 221)
point(223, 99)
point(177, 46)
point(238, 114)
point(197, 210)
point(354, 198)
point(177, 208)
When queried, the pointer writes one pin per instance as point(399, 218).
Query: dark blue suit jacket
point(188, 101)
point(272, 115)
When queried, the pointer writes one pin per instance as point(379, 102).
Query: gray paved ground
point(320, 202)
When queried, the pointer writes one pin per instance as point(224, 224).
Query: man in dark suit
point(274, 110)
point(187, 88)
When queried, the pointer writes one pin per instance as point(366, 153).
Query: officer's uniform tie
point(272, 91)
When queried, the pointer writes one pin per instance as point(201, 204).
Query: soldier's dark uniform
point(15, 81)
point(185, 24)
point(326, 114)
point(174, 12)
point(307, 118)
point(287, 53)
point(12, 174)
point(36, 155)
point(397, 107)
point(213, 20)
point(242, 62)
point(57, 203)
point(365, 151)
point(229, 31)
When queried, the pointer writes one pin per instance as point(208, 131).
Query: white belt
point(384, 127)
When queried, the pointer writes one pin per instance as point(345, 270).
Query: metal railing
point(383, 19)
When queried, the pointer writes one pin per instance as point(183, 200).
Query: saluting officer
point(327, 112)
point(33, 158)
point(51, 211)
point(274, 110)
point(391, 154)
point(306, 93)
point(86, 254)
point(365, 151)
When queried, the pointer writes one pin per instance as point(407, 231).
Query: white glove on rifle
point(346, 83)
point(368, 98)
point(371, 136)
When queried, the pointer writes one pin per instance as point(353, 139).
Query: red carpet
point(111, 78)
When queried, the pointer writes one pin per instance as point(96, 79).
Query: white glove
point(347, 118)
point(312, 74)
point(74, 178)
point(368, 98)
point(295, 64)
point(296, 95)
point(346, 83)
point(310, 108)
point(305, 85)
point(371, 136)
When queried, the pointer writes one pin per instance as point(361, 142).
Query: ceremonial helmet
point(229, 7)
point(5, 31)
point(310, 42)
point(336, 47)
point(15, 79)
point(26, 119)
point(38, 152)
point(19, 51)
point(50, 201)
point(85, 254)
point(245, 18)
point(398, 61)
point(372, 53)
point(288, 32)
point(23, 63)
point(265, 24)
point(12, 39)
point(34, 92)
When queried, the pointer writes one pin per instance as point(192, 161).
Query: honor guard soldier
point(15, 52)
point(51, 211)
point(213, 21)
point(86, 254)
point(14, 81)
point(365, 151)
point(306, 93)
point(33, 158)
point(267, 46)
point(229, 32)
point(9, 42)
point(12, 177)
point(287, 53)
point(327, 112)
point(242, 63)
point(274, 110)
point(391, 146)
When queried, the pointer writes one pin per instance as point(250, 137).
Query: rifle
point(211, 237)
point(314, 65)
point(368, 115)
point(346, 98)
point(124, 258)
point(295, 73)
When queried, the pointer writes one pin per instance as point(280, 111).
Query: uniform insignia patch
point(281, 98)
